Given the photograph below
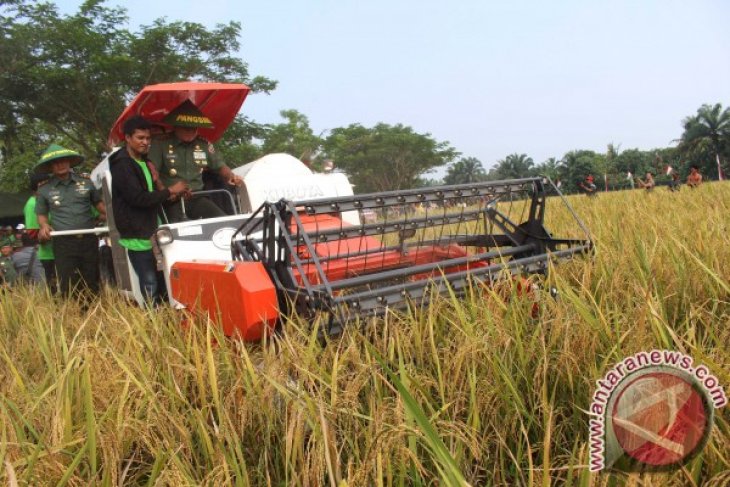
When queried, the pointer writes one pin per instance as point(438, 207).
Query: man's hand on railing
point(44, 234)
point(178, 190)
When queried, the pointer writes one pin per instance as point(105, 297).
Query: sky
point(490, 77)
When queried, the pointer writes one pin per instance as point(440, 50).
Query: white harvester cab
point(268, 179)
point(281, 176)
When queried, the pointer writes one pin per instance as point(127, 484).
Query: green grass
point(468, 390)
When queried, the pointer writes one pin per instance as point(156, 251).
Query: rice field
point(470, 391)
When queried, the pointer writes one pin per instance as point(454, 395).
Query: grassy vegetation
point(466, 391)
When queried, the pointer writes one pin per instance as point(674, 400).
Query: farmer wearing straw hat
point(183, 156)
point(68, 199)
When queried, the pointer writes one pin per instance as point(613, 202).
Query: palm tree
point(467, 170)
point(549, 168)
point(709, 130)
point(515, 166)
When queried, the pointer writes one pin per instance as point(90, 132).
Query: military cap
point(188, 115)
point(55, 152)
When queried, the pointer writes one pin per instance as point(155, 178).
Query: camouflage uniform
point(7, 271)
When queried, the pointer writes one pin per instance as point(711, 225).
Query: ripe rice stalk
point(123, 396)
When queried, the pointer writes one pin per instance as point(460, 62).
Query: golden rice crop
point(467, 391)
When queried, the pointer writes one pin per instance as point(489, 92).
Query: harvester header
point(353, 257)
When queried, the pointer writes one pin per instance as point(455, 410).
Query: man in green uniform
point(7, 268)
point(6, 235)
point(183, 156)
point(45, 250)
point(68, 199)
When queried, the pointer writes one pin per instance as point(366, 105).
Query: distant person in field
point(588, 186)
point(695, 178)
point(648, 182)
point(674, 183)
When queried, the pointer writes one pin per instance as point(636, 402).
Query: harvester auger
point(354, 257)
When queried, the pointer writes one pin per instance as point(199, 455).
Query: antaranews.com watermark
point(652, 411)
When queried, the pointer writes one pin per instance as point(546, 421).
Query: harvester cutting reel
point(348, 258)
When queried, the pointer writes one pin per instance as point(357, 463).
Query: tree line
point(66, 78)
point(704, 142)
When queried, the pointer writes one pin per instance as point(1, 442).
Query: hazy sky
point(490, 77)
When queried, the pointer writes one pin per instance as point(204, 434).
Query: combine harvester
point(303, 242)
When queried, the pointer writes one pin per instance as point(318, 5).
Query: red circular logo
point(661, 418)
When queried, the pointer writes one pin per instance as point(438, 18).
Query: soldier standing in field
point(67, 199)
point(6, 235)
point(183, 156)
point(7, 269)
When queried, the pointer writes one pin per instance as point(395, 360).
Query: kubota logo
point(652, 411)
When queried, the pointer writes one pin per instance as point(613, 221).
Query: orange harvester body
point(238, 295)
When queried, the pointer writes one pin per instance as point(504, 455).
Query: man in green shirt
point(68, 199)
point(183, 156)
point(45, 250)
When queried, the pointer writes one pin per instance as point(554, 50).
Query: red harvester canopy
point(218, 101)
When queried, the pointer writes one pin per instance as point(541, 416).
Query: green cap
point(188, 115)
point(54, 153)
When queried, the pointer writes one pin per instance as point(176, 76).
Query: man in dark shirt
point(136, 204)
